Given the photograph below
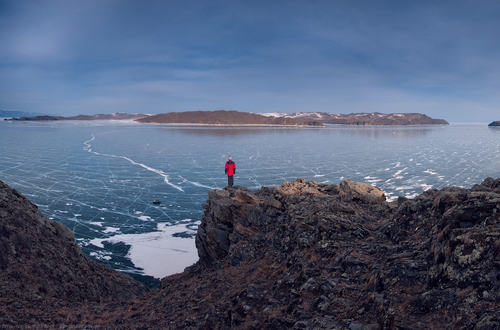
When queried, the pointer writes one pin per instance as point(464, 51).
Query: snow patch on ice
point(158, 253)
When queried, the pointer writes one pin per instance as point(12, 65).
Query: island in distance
point(495, 123)
point(222, 117)
point(112, 116)
point(232, 117)
point(373, 118)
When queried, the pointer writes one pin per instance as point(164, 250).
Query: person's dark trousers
point(230, 180)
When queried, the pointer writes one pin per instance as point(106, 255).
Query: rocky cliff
point(495, 123)
point(308, 255)
point(40, 260)
point(317, 256)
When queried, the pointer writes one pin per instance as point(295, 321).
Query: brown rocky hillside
point(39, 259)
point(305, 255)
point(222, 117)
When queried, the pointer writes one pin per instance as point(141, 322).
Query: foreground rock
point(330, 257)
point(308, 255)
point(314, 256)
point(39, 259)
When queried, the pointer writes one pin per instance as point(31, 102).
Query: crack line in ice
point(160, 172)
point(196, 183)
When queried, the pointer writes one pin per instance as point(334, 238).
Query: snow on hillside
point(334, 115)
point(297, 114)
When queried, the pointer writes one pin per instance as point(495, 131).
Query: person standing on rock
point(230, 170)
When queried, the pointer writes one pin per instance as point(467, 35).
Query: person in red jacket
point(230, 170)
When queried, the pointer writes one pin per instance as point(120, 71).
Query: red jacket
point(230, 168)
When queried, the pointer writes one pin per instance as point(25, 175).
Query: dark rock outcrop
point(495, 123)
point(39, 258)
point(308, 255)
point(317, 256)
point(232, 217)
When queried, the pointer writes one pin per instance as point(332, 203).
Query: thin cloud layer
point(70, 57)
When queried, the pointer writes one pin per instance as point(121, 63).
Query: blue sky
point(66, 57)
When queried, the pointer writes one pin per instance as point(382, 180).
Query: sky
point(66, 57)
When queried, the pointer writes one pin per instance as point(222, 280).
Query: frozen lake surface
point(100, 178)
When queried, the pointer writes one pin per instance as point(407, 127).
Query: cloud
point(337, 56)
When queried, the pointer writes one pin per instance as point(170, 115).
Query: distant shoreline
point(231, 118)
point(186, 125)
